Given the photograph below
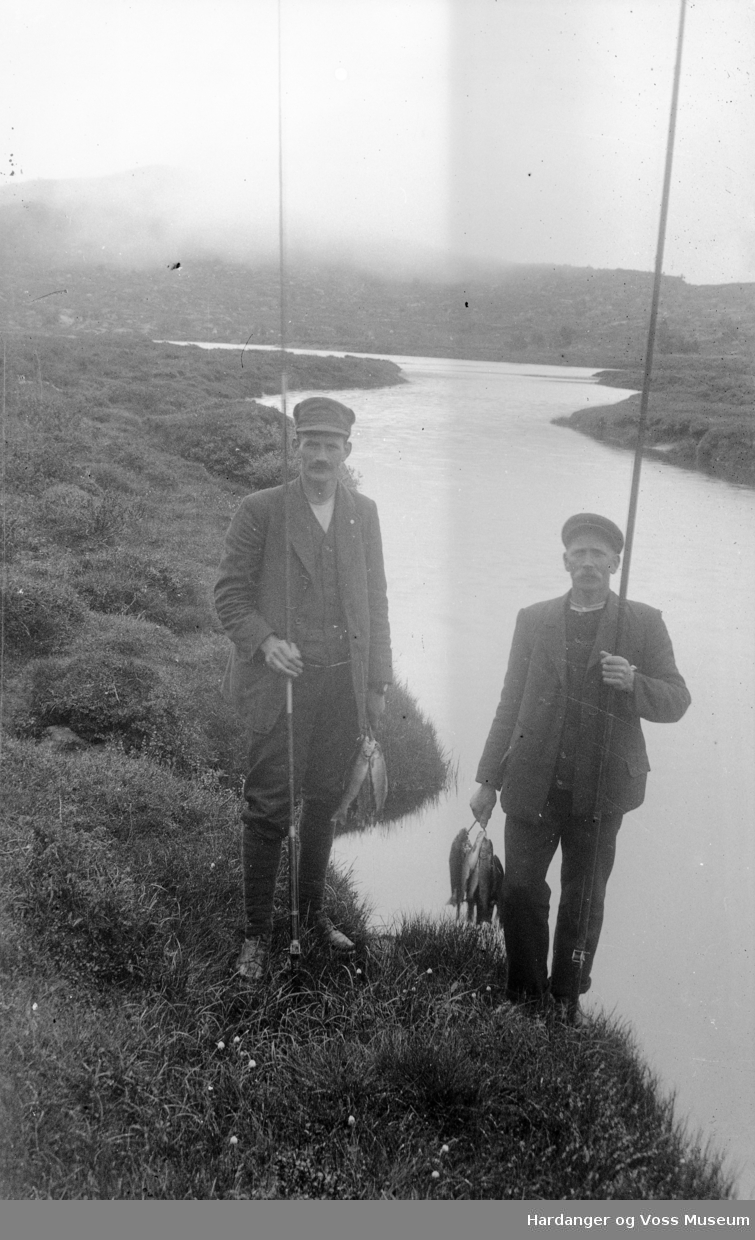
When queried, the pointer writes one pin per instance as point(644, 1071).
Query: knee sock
point(316, 833)
point(260, 855)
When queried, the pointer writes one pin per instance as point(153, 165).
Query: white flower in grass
point(236, 1040)
point(210, 1087)
point(221, 1046)
point(252, 1063)
point(234, 1140)
point(351, 1121)
point(429, 970)
point(436, 1175)
point(34, 1007)
point(444, 1149)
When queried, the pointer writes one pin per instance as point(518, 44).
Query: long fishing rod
point(579, 955)
point(4, 561)
point(293, 832)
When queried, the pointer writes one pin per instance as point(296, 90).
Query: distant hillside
point(563, 315)
point(125, 255)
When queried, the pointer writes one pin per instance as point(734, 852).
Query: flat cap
point(593, 521)
point(322, 413)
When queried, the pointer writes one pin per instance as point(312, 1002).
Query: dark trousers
point(325, 728)
point(529, 851)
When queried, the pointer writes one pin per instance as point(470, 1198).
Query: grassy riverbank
point(134, 1065)
point(700, 415)
point(129, 1055)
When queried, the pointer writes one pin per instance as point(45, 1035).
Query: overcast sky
point(507, 130)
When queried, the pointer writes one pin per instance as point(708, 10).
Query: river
point(473, 484)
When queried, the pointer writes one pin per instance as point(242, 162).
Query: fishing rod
point(3, 516)
point(608, 693)
point(293, 830)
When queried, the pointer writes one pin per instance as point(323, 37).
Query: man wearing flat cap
point(337, 656)
point(544, 753)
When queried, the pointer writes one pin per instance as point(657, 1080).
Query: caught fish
point(489, 889)
point(459, 848)
point(378, 778)
point(369, 762)
point(470, 869)
point(462, 863)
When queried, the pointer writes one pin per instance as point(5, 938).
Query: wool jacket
point(250, 597)
point(522, 748)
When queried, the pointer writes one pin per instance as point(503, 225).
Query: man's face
point(590, 560)
point(322, 453)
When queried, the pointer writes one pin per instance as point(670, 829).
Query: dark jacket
point(522, 747)
point(250, 594)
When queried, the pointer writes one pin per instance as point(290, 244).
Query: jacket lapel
point(347, 533)
point(299, 532)
point(554, 636)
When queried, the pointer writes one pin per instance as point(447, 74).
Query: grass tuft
point(125, 582)
point(40, 616)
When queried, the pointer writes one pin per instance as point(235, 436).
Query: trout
point(489, 891)
point(462, 862)
point(378, 778)
point(369, 761)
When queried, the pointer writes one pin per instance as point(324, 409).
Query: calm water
point(473, 484)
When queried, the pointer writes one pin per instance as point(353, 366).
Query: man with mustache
point(335, 649)
point(544, 753)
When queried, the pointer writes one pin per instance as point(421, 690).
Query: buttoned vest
point(320, 627)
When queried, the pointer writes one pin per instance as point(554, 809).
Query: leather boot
point(330, 936)
point(253, 958)
point(568, 1012)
